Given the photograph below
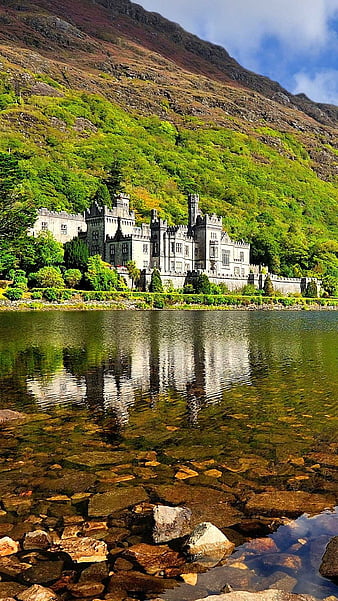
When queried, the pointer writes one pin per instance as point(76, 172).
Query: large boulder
point(8, 546)
point(38, 539)
point(170, 523)
point(37, 593)
point(82, 550)
point(153, 559)
point(207, 540)
point(329, 565)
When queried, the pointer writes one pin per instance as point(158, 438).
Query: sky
point(294, 42)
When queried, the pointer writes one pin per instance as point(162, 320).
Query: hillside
point(85, 84)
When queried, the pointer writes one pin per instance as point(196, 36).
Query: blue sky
point(294, 42)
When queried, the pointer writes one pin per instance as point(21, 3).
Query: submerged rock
point(37, 593)
point(7, 415)
point(8, 546)
point(269, 595)
point(170, 523)
point(288, 503)
point(102, 505)
point(135, 582)
point(207, 540)
point(154, 559)
point(82, 550)
point(39, 539)
point(329, 565)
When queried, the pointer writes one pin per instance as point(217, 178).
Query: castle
point(201, 245)
point(177, 251)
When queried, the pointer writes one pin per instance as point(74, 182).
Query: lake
point(248, 401)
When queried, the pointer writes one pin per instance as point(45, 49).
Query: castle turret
point(193, 211)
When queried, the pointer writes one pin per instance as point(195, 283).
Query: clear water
point(250, 391)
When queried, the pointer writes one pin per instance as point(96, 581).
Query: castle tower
point(193, 211)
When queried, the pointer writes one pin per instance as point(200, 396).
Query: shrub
point(49, 277)
point(14, 293)
point(188, 289)
point(72, 277)
point(52, 294)
point(311, 290)
point(20, 280)
point(249, 290)
point(268, 287)
point(158, 302)
point(155, 282)
point(101, 277)
point(202, 284)
point(37, 294)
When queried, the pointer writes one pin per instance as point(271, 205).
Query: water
point(253, 395)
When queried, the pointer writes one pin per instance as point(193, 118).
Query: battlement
point(43, 212)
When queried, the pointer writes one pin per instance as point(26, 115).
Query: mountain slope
point(84, 83)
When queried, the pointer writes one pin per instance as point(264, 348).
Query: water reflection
point(109, 360)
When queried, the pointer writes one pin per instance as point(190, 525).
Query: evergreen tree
point(311, 290)
point(156, 281)
point(114, 179)
point(133, 272)
point(268, 286)
point(102, 196)
point(202, 284)
point(76, 254)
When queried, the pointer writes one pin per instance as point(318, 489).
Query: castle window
point(44, 226)
point(172, 265)
point(225, 258)
point(145, 264)
point(241, 256)
point(112, 250)
point(63, 228)
point(155, 248)
point(179, 266)
point(145, 248)
point(213, 252)
point(124, 248)
point(178, 247)
point(187, 251)
point(173, 247)
point(95, 235)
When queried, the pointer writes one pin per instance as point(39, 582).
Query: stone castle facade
point(177, 251)
point(201, 245)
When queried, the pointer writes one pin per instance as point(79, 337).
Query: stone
point(15, 504)
point(102, 505)
point(8, 546)
point(278, 580)
point(37, 593)
point(288, 503)
point(43, 572)
point(38, 539)
point(268, 595)
point(282, 560)
point(137, 583)
point(7, 415)
point(101, 458)
point(82, 550)
point(170, 523)
point(207, 540)
point(261, 545)
point(206, 504)
point(122, 565)
point(11, 566)
point(329, 565)
point(11, 589)
point(86, 589)
point(190, 579)
point(185, 472)
point(153, 559)
point(95, 572)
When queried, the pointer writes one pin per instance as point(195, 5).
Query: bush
point(37, 294)
point(52, 294)
point(158, 302)
point(311, 290)
point(49, 277)
point(155, 282)
point(249, 290)
point(100, 277)
point(14, 293)
point(20, 280)
point(72, 277)
point(268, 287)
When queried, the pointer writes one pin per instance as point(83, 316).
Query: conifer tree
point(268, 286)
point(156, 282)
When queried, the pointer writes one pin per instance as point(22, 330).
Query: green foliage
point(133, 272)
point(76, 254)
point(49, 277)
point(330, 285)
point(47, 250)
point(268, 194)
point(100, 276)
point(249, 290)
point(156, 282)
point(202, 284)
point(20, 280)
point(268, 286)
point(311, 289)
point(14, 293)
point(72, 277)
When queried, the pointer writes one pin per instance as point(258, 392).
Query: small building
point(64, 226)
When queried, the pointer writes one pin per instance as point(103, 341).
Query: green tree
point(72, 277)
point(100, 276)
point(76, 254)
point(311, 289)
point(47, 250)
point(102, 196)
point(330, 284)
point(133, 272)
point(155, 281)
point(17, 212)
point(49, 277)
point(202, 284)
point(268, 287)
point(114, 179)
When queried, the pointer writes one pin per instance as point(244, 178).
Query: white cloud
point(242, 25)
point(322, 86)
